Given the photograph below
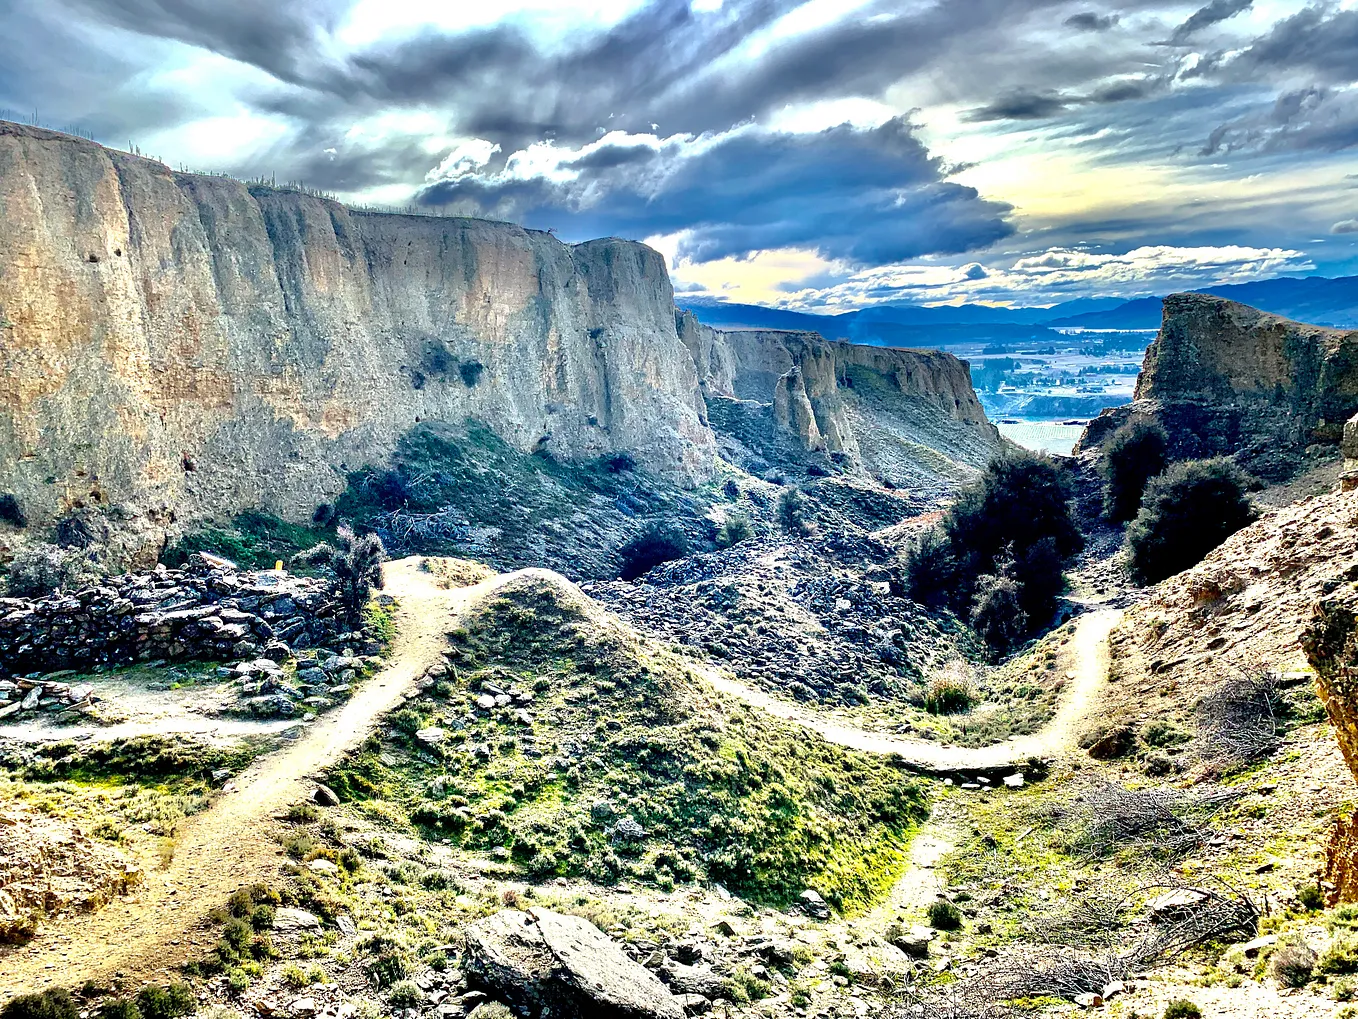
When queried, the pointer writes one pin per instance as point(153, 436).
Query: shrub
point(491, 1010)
point(405, 995)
point(166, 1002)
point(1292, 965)
point(54, 1003)
point(657, 544)
point(744, 987)
point(1180, 1008)
point(1014, 520)
point(944, 916)
point(1311, 898)
point(40, 569)
point(1340, 957)
point(237, 980)
point(303, 813)
point(1136, 453)
point(735, 529)
point(1186, 512)
point(11, 512)
point(119, 1008)
point(794, 513)
point(388, 967)
point(948, 696)
point(354, 568)
point(997, 613)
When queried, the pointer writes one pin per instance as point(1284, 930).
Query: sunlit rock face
point(185, 347)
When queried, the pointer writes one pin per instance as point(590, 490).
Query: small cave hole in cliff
point(92, 258)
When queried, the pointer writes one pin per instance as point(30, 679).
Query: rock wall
point(212, 615)
point(1225, 378)
point(816, 390)
point(187, 347)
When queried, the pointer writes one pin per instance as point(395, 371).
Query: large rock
point(1225, 378)
point(193, 346)
point(549, 963)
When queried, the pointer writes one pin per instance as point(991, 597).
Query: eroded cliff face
point(904, 415)
point(187, 347)
point(1225, 378)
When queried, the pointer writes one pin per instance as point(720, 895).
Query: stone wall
point(209, 614)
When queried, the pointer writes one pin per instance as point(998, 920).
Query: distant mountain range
point(1314, 299)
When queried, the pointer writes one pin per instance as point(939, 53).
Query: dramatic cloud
point(864, 197)
point(1205, 17)
point(794, 142)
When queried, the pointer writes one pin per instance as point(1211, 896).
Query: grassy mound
point(624, 766)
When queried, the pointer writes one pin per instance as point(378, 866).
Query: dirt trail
point(1090, 644)
point(230, 844)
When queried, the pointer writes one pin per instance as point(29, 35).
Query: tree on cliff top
point(354, 568)
point(1186, 512)
point(1136, 452)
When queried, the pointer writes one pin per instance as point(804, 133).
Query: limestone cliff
point(1229, 379)
point(188, 346)
point(905, 415)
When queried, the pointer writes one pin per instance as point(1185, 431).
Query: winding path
point(159, 927)
point(1090, 645)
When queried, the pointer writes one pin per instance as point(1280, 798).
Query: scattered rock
point(813, 905)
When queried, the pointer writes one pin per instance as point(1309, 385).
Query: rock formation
point(1225, 378)
point(189, 346)
point(852, 403)
point(180, 348)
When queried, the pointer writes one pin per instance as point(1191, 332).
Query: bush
point(1182, 1009)
point(1014, 520)
point(1311, 898)
point(944, 916)
point(1186, 512)
point(11, 512)
point(119, 1008)
point(657, 544)
point(1340, 957)
point(166, 1002)
point(405, 995)
point(735, 529)
point(1137, 452)
point(997, 613)
point(54, 1003)
point(1292, 965)
point(354, 568)
point(40, 569)
point(794, 513)
point(948, 696)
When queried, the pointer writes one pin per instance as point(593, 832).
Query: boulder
point(546, 963)
point(813, 905)
point(324, 796)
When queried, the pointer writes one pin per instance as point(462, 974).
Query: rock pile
point(209, 610)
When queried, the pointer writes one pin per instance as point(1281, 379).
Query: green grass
point(254, 541)
point(621, 732)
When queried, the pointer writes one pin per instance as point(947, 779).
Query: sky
point(822, 155)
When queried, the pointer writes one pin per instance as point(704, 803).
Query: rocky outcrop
point(1225, 378)
point(823, 397)
point(212, 614)
point(185, 347)
point(552, 964)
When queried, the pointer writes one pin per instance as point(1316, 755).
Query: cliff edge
point(1225, 378)
point(187, 346)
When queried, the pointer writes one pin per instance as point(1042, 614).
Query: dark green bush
point(657, 544)
point(795, 513)
point(735, 529)
point(1014, 520)
point(119, 1008)
point(11, 512)
point(1182, 1009)
point(997, 613)
point(54, 1003)
point(1311, 897)
point(1186, 512)
point(166, 1002)
point(1136, 452)
point(944, 916)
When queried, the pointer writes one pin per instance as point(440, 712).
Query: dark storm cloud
point(867, 197)
point(1021, 105)
point(278, 37)
point(1320, 41)
point(1089, 21)
point(1205, 17)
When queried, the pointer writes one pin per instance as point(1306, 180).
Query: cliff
point(1229, 379)
point(906, 416)
point(188, 346)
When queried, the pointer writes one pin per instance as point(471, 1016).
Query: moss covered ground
point(624, 767)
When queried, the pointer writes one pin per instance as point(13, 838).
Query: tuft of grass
point(944, 916)
point(948, 695)
point(1181, 1008)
